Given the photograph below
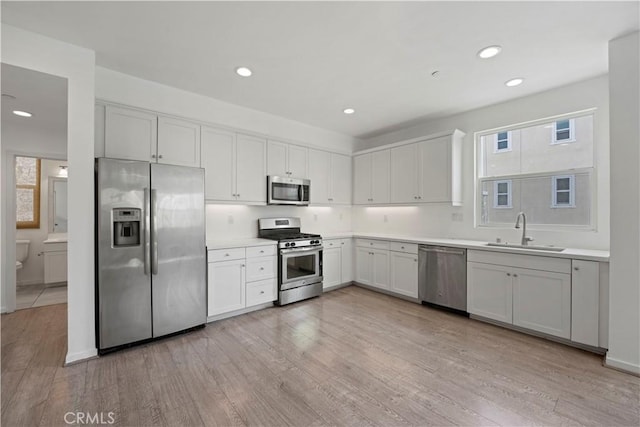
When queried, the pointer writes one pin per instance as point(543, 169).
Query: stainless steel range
point(299, 259)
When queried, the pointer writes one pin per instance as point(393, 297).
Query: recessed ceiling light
point(489, 52)
point(348, 111)
point(514, 82)
point(22, 113)
point(243, 71)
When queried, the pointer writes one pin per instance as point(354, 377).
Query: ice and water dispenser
point(126, 227)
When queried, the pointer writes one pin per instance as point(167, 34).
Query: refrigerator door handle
point(154, 233)
point(147, 232)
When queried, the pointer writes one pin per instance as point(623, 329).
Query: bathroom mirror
point(57, 204)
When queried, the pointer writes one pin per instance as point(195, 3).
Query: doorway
point(34, 151)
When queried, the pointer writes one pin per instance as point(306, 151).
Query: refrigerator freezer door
point(124, 290)
point(178, 248)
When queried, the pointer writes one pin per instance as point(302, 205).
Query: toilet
point(22, 252)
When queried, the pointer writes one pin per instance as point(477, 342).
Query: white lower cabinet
point(240, 278)
point(331, 267)
point(364, 262)
point(337, 259)
point(585, 302)
point(404, 273)
point(55, 262)
point(490, 291)
point(226, 286)
point(533, 298)
point(542, 301)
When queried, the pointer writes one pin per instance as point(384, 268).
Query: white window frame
point(572, 132)
point(495, 142)
point(509, 193)
point(571, 191)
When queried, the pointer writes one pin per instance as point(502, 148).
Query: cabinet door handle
point(261, 268)
point(261, 252)
point(237, 195)
point(509, 274)
point(576, 268)
point(153, 156)
point(226, 254)
point(515, 275)
point(160, 156)
point(342, 243)
point(261, 292)
point(401, 247)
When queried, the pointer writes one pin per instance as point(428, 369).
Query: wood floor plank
point(352, 357)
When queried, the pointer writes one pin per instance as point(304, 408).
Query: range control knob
point(287, 244)
point(292, 244)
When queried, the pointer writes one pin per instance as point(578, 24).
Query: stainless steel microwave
point(282, 190)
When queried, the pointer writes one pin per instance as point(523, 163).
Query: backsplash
point(227, 222)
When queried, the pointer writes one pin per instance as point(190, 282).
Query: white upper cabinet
point(320, 176)
point(178, 142)
point(130, 134)
point(341, 177)
point(234, 166)
point(330, 175)
point(287, 160)
point(138, 135)
point(218, 161)
point(251, 176)
point(371, 178)
point(439, 169)
point(427, 170)
point(404, 173)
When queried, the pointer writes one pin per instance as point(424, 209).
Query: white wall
point(624, 278)
point(227, 222)
point(125, 89)
point(29, 50)
point(32, 271)
point(437, 220)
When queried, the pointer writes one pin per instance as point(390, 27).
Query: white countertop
point(584, 254)
point(572, 253)
point(239, 243)
point(56, 238)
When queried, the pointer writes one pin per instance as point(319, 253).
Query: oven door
point(300, 267)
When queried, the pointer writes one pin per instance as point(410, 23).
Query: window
point(563, 131)
point(27, 192)
point(502, 194)
point(551, 183)
point(563, 191)
point(503, 142)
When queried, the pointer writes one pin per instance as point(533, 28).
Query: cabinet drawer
point(261, 268)
point(544, 263)
point(226, 254)
point(257, 251)
point(333, 243)
point(261, 292)
point(372, 244)
point(55, 247)
point(410, 248)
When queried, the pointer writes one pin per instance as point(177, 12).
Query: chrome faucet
point(525, 240)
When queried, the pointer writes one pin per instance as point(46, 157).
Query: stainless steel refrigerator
point(151, 256)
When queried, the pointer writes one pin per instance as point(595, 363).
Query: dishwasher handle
point(441, 250)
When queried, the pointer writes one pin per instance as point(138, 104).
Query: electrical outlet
point(315, 217)
point(385, 218)
point(457, 217)
point(230, 219)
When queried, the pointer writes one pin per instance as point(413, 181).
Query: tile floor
point(28, 296)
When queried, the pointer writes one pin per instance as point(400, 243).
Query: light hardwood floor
point(351, 357)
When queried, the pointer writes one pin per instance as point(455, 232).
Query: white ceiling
point(313, 59)
point(43, 95)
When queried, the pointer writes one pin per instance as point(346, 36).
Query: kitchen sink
point(532, 247)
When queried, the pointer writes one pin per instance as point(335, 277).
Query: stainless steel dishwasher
point(442, 278)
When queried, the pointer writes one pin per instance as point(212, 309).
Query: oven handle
point(312, 249)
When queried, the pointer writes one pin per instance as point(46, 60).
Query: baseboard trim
point(81, 356)
point(239, 312)
point(29, 282)
point(620, 365)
